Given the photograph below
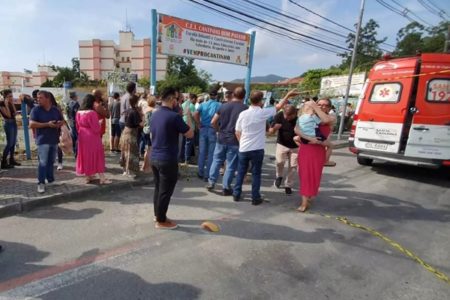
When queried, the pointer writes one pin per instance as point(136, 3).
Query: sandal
point(330, 164)
point(105, 181)
point(89, 180)
point(303, 208)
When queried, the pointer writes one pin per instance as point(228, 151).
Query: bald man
point(227, 146)
point(287, 149)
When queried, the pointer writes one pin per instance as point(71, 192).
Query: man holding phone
point(46, 119)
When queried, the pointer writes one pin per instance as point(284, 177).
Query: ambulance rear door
point(384, 109)
point(429, 135)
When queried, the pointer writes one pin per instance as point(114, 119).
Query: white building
point(99, 57)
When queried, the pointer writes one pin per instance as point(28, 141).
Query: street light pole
point(352, 65)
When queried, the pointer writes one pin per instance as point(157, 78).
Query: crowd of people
point(165, 130)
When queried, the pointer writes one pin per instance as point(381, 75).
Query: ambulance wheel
point(364, 161)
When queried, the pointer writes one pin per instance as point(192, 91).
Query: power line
point(325, 18)
point(433, 8)
point(240, 22)
point(278, 19)
point(294, 19)
point(329, 20)
point(438, 8)
point(274, 25)
point(264, 28)
point(278, 34)
point(407, 10)
point(397, 11)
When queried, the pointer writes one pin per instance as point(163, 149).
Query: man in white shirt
point(251, 134)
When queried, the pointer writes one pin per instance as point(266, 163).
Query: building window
point(128, 59)
point(128, 70)
point(123, 59)
point(123, 69)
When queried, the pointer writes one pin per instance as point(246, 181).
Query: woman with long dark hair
point(129, 159)
point(90, 156)
point(8, 112)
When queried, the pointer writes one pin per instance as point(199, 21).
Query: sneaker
point(257, 201)
point(210, 186)
point(41, 188)
point(60, 167)
point(14, 163)
point(236, 198)
point(288, 190)
point(277, 182)
point(166, 225)
point(199, 176)
point(227, 192)
point(50, 182)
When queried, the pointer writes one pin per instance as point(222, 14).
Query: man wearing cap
point(72, 109)
point(208, 137)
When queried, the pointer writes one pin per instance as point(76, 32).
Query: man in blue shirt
point(227, 147)
point(166, 125)
point(203, 117)
point(47, 120)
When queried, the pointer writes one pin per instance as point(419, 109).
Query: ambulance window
point(438, 90)
point(386, 92)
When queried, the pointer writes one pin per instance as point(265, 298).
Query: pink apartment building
point(17, 80)
point(99, 57)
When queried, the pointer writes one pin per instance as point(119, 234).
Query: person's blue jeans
point(189, 149)
point(207, 144)
point(256, 158)
point(46, 156)
point(222, 153)
point(74, 134)
point(10, 127)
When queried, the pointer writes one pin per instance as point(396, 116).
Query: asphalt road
point(107, 248)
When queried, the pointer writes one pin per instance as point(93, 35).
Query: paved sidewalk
point(18, 186)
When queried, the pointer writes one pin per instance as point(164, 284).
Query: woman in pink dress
point(91, 156)
point(311, 156)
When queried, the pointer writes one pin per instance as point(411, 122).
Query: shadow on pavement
point(61, 213)
point(439, 177)
point(373, 206)
point(101, 283)
point(19, 259)
point(252, 230)
point(118, 284)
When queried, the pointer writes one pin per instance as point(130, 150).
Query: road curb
point(340, 144)
point(26, 205)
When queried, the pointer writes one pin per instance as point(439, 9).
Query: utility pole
point(352, 65)
point(447, 42)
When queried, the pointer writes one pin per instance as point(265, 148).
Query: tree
point(416, 37)
point(193, 90)
point(76, 66)
point(310, 85)
point(144, 82)
point(409, 39)
point(182, 73)
point(368, 48)
point(64, 74)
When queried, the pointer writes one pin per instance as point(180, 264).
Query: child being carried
point(308, 124)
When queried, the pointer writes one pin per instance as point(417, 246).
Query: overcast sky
point(47, 31)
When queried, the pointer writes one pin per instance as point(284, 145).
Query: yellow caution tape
point(392, 243)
